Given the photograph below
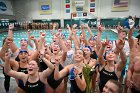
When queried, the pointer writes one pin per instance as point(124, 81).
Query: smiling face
point(110, 88)
point(23, 44)
point(68, 43)
point(81, 37)
point(23, 56)
point(92, 42)
point(87, 52)
point(109, 46)
point(79, 55)
point(32, 67)
point(55, 39)
point(110, 55)
point(56, 49)
point(122, 35)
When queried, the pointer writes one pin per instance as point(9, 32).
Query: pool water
point(18, 35)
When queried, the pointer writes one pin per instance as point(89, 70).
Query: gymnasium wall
point(106, 6)
point(29, 9)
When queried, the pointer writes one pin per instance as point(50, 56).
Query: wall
point(106, 5)
point(22, 10)
point(28, 9)
point(8, 13)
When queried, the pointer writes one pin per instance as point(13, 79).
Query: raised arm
point(10, 30)
point(122, 63)
point(129, 81)
point(98, 42)
point(101, 52)
point(89, 30)
point(59, 74)
point(29, 38)
point(81, 83)
point(10, 34)
point(10, 72)
point(48, 71)
point(7, 43)
point(131, 39)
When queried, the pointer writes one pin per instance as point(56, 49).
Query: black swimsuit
point(133, 90)
point(43, 65)
point(52, 82)
point(36, 87)
point(94, 55)
point(74, 88)
point(20, 82)
point(105, 76)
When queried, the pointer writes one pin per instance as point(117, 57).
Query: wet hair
point(116, 83)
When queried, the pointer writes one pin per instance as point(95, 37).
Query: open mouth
point(108, 46)
point(55, 50)
point(30, 69)
point(23, 58)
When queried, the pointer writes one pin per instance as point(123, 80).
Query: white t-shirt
point(125, 48)
point(69, 58)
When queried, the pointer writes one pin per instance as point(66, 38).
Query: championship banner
point(120, 5)
point(45, 7)
point(6, 7)
point(79, 6)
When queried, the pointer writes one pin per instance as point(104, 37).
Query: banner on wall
point(45, 7)
point(6, 7)
point(79, 6)
point(120, 5)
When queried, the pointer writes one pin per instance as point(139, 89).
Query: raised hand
point(86, 26)
point(43, 35)
point(60, 30)
point(68, 26)
point(11, 26)
point(32, 38)
point(119, 28)
point(77, 70)
point(58, 60)
point(129, 83)
point(41, 53)
point(82, 26)
point(28, 31)
point(75, 25)
point(105, 42)
point(101, 28)
point(54, 25)
point(120, 44)
point(8, 41)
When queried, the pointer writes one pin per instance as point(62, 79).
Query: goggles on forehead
point(89, 47)
point(23, 51)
